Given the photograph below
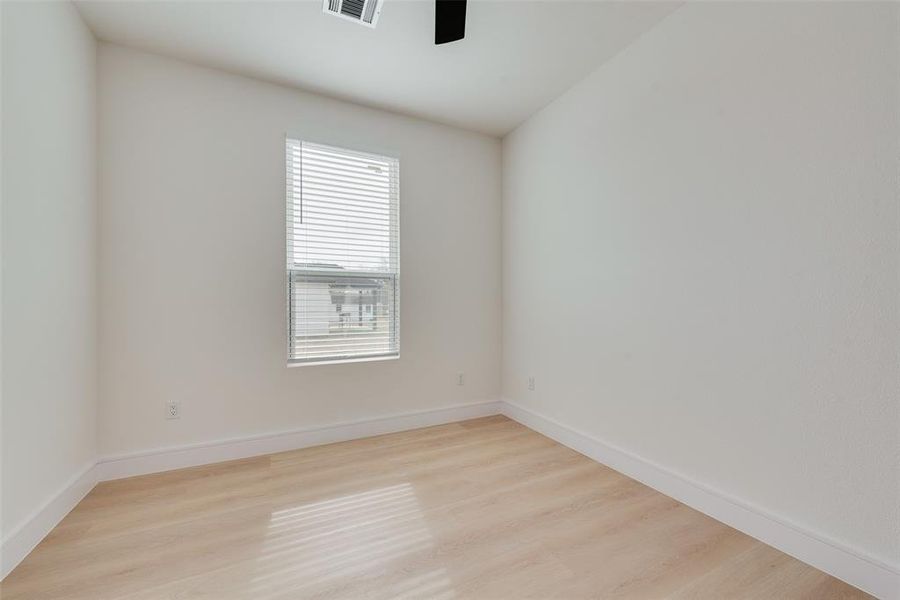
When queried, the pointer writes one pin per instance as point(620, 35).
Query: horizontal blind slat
point(352, 192)
point(324, 172)
point(315, 196)
point(295, 222)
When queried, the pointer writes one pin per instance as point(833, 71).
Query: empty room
point(446, 299)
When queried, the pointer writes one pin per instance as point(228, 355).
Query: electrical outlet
point(460, 379)
point(173, 409)
point(531, 382)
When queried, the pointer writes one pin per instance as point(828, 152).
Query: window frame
point(308, 271)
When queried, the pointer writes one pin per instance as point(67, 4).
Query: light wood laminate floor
point(479, 509)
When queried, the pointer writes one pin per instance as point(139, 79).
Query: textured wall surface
point(193, 254)
point(49, 252)
point(701, 259)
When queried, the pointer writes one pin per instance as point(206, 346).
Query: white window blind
point(343, 254)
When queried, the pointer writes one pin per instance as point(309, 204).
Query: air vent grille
point(352, 8)
point(364, 12)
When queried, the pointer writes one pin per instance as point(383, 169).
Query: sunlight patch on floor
point(355, 538)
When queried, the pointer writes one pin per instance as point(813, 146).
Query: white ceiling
point(516, 57)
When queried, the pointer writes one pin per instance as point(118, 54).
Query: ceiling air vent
point(362, 11)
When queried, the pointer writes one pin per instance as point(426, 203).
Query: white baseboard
point(22, 540)
point(166, 459)
point(866, 573)
point(15, 547)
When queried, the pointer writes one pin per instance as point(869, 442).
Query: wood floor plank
point(479, 509)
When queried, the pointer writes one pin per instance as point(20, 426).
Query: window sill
point(341, 361)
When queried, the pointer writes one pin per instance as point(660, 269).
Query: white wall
point(49, 253)
point(700, 259)
point(193, 253)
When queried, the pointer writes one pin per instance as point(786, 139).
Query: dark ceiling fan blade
point(449, 20)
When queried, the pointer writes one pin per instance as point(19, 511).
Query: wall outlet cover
point(173, 410)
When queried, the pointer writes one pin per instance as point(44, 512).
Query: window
point(343, 254)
